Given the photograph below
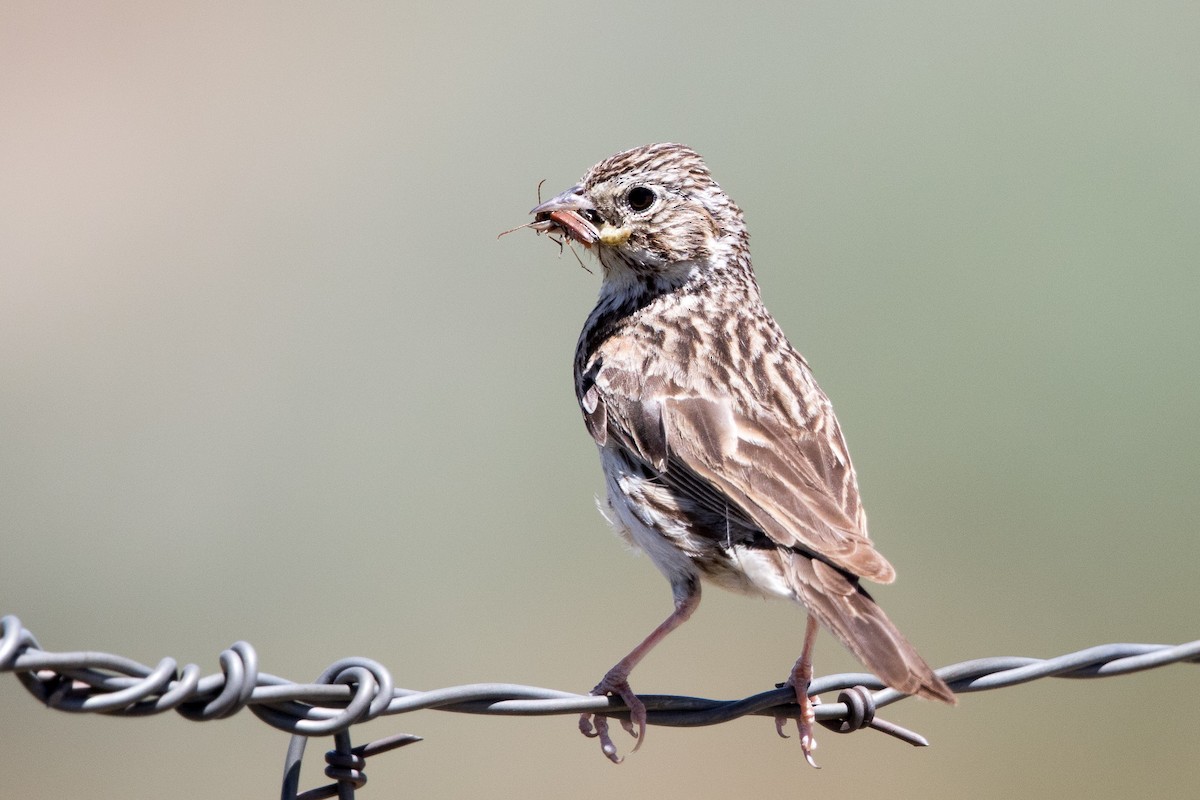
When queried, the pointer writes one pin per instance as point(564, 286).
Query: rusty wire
point(354, 690)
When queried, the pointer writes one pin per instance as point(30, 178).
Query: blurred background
point(268, 374)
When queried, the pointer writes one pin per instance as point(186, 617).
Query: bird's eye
point(640, 198)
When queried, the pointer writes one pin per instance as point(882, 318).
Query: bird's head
point(653, 212)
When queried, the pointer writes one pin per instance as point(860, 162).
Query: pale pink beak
point(562, 212)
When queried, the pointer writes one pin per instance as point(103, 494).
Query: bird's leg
point(616, 680)
point(799, 680)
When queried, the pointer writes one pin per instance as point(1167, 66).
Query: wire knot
point(860, 710)
point(373, 690)
point(239, 668)
point(14, 640)
point(346, 767)
point(344, 764)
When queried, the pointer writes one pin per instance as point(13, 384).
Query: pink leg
point(799, 680)
point(616, 681)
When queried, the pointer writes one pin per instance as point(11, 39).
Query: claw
point(628, 726)
point(637, 714)
point(616, 682)
point(800, 680)
point(606, 743)
point(808, 744)
point(804, 725)
point(805, 719)
point(595, 726)
point(780, 721)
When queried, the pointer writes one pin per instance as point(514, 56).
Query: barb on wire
point(355, 690)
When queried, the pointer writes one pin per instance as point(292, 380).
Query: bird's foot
point(804, 721)
point(596, 725)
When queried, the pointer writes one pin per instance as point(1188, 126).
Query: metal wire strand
point(355, 690)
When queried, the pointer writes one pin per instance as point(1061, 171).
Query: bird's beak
point(572, 199)
point(572, 213)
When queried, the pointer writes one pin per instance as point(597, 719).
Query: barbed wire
point(354, 690)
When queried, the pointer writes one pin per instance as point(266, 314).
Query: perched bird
point(722, 457)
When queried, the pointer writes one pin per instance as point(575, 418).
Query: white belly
point(640, 511)
point(646, 514)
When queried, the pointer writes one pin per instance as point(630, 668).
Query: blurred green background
point(268, 374)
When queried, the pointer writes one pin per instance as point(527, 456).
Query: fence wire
point(354, 690)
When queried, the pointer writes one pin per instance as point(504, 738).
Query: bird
point(722, 458)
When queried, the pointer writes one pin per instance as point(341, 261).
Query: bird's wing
point(795, 484)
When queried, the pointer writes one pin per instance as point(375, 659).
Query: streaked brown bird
point(722, 457)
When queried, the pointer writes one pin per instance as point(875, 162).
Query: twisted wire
point(355, 690)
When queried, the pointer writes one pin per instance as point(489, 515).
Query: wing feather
point(776, 477)
point(796, 486)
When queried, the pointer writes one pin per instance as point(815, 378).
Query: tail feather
point(840, 604)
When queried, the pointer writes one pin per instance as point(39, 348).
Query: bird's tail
point(840, 604)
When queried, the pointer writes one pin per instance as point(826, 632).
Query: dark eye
point(640, 198)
